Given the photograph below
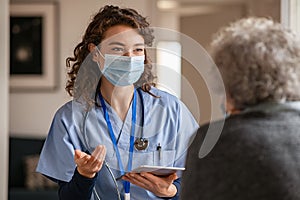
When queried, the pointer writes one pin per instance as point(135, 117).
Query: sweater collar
point(274, 107)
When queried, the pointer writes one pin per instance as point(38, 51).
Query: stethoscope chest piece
point(141, 144)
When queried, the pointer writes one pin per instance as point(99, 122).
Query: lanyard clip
point(127, 196)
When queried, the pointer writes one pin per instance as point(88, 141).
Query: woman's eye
point(119, 49)
point(139, 50)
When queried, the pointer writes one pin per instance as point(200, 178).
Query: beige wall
point(264, 8)
point(201, 27)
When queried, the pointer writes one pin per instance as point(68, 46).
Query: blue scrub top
point(167, 123)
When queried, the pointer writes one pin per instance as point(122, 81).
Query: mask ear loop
point(98, 54)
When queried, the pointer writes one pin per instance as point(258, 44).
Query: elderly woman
point(258, 153)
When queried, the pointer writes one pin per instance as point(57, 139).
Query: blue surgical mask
point(123, 70)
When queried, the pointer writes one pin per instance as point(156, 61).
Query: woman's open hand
point(161, 186)
point(89, 165)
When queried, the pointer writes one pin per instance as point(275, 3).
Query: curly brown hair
point(107, 17)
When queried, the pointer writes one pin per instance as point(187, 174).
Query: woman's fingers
point(88, 165)
point(78, 154)
point(99, 153)
point(81, 158)
point(161, 186)
point(138, 180)
point(97, 157)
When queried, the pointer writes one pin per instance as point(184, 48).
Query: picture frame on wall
point(32, 46)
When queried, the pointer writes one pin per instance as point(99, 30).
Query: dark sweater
point(257, 157)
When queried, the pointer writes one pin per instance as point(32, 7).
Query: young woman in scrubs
point(126, 122)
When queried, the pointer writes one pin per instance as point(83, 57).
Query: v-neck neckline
point(115, 118)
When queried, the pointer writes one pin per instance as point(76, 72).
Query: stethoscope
point(140, 143)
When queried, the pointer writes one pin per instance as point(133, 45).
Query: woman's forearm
point(79, 188)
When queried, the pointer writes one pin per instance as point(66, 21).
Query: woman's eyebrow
point(121, 44)
point(116, 43)
point(139, 44)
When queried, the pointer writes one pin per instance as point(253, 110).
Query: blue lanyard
point(126, 184)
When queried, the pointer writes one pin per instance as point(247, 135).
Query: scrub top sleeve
point(187, 129)
point(57, 156)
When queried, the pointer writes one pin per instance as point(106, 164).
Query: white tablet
point(157, 170)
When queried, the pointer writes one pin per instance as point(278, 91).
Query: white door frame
point(4, 95)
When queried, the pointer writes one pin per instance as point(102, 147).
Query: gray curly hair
point(259, 60)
